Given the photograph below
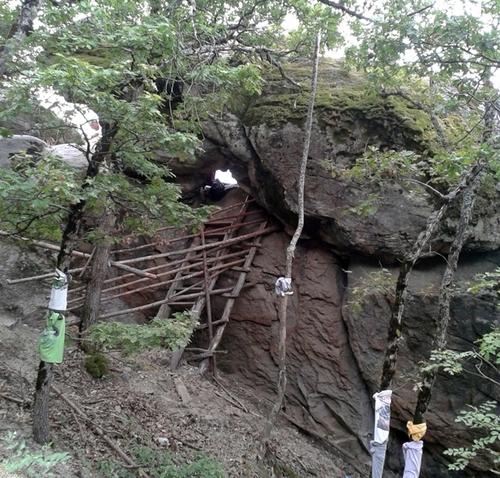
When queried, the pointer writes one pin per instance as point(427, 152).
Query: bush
point(160, 464)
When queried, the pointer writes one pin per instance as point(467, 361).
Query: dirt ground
point(142, 403)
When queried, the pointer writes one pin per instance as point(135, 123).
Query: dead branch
point(232, 402)
point(182, 390)
point(12, 399)
point(233, 397)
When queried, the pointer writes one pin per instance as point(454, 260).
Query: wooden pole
point(208, 304)
point(171, 281)
point(84, 255)
point(228, 242)
point(200, 303)
point(49, 275)
point(214, 342)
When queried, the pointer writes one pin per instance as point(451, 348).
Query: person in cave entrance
point(215, 190)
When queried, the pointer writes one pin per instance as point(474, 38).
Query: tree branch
point(342, 8)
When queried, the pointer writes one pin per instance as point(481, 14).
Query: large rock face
point(263, 145)
point(334, 353)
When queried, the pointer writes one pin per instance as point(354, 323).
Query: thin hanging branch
point(443, 316)
point(290, 252)
point(410, 259)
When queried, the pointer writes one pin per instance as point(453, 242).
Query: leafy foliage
point(449, 360)
point(171, 333)
point(32, 463)
point(485, 417)
point(486, 281)
point(33, 195)
point(378, 166)
point(376, 282)
point(106, 56)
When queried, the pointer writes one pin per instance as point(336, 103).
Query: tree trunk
point(77, 211)
point(20, 31)
point(41, 429)
point(396, 320)
point(282, 379)
point(99, 270)
point(443, 317)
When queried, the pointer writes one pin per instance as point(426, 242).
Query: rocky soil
point(142, 403)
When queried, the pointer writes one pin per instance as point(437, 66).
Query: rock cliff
point(335, 349)
point(335, 353)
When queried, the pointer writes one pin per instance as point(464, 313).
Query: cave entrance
point(225, 176)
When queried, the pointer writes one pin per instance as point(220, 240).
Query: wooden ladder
point(219, 230)
point(221, 324)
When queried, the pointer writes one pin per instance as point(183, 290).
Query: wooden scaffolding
point(189, 276)
point(186, 268)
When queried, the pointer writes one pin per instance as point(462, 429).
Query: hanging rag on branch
point(283, 286)
point(412, 450)
point(51, 341)
point(378, 446)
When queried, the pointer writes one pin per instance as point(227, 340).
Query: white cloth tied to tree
point(412, 452)
point(378, 445)
point(382, 415)
point(283, 286)
point(59, 293)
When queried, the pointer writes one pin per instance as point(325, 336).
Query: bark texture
point(41, 426)
point(99, 270)
point(433, 222)
point(443, 315)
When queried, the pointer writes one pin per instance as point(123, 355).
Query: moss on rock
point(97, 365)
point(343, 101)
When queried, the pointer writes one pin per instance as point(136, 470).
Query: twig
point(186, 443)
point(89, 260)
point(12, 399)
point(206, 354)
point(230, 394)
point(78, 423)
point(229, 400)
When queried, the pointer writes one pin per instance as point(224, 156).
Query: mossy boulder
point(262, 141)
point(343, 102)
